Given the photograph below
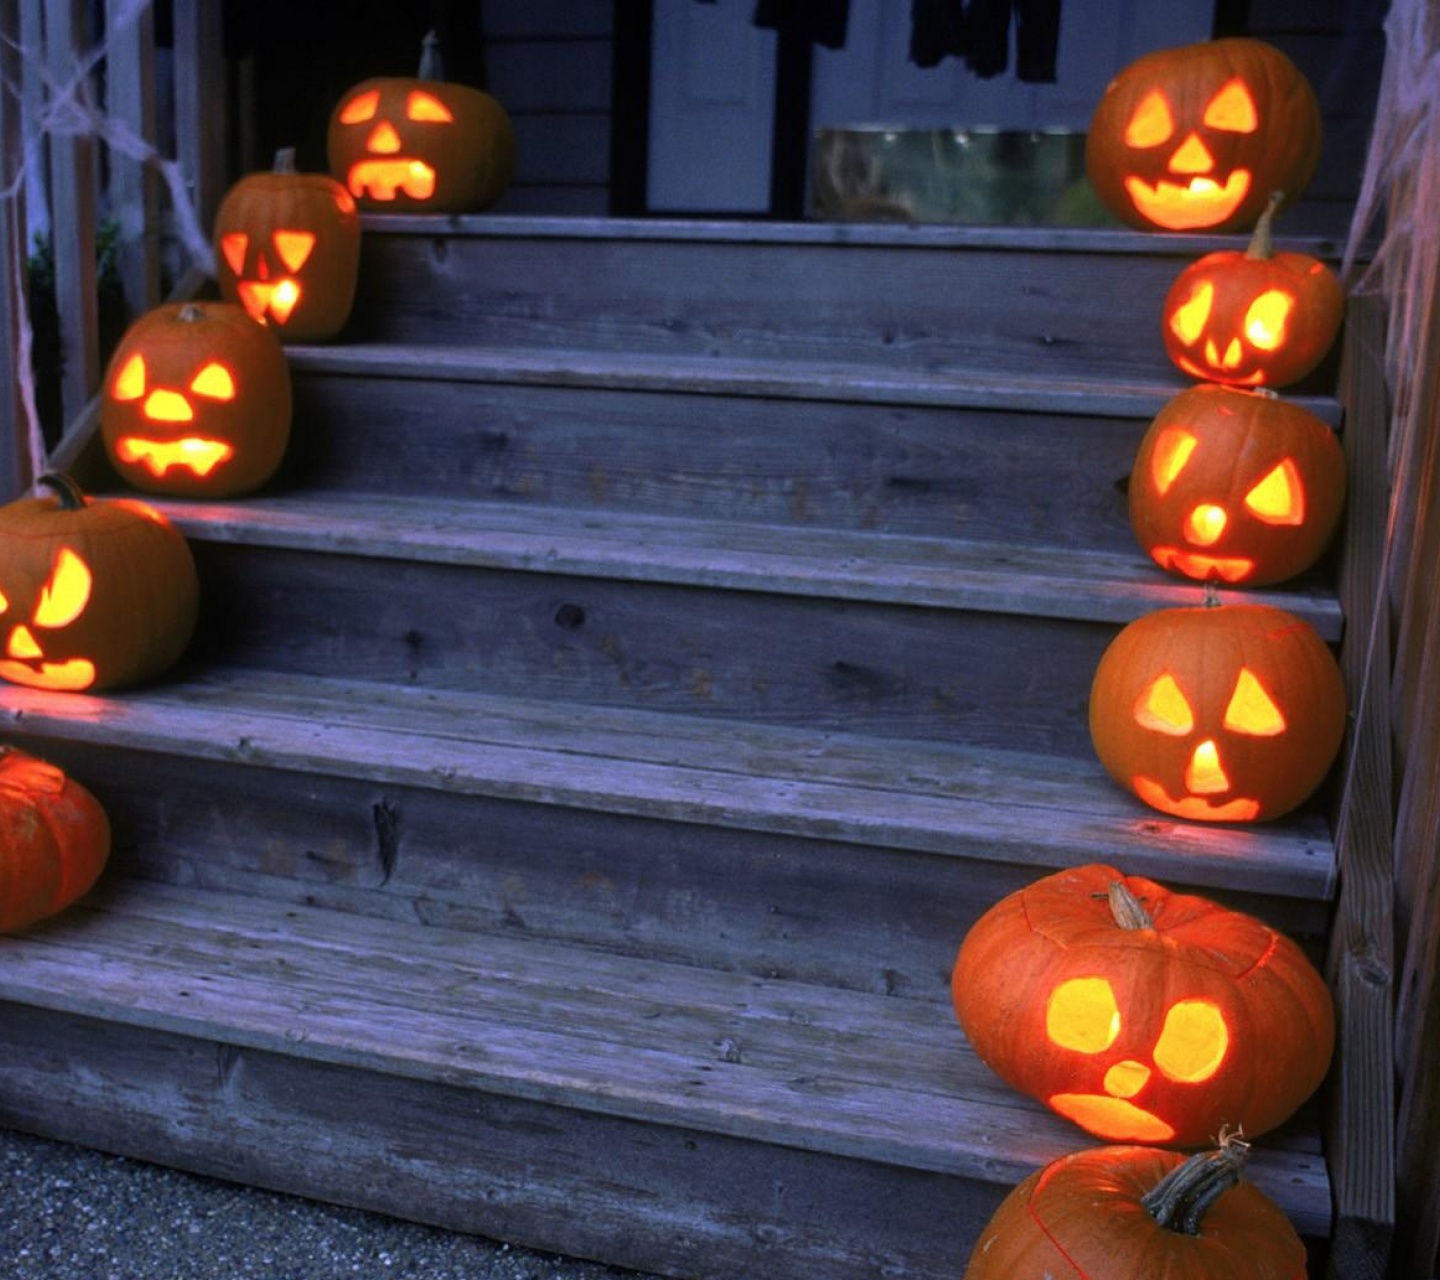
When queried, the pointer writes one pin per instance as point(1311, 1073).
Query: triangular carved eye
point(294, 247)
point(1280, 497)
point(1232, 109)
point(215, 382)
point(360, 108)
point(1152, 122)
point(1164, 708)
point(233, 246)
point(1188, 320)
point(1266, 319)
point(64, 596)
point(427, 107)
point(1172, 452)
point(1252, 711)
point(129, 383)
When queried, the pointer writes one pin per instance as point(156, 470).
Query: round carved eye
point(1193, 1042)
point(1082, 1015)
point(1266, 317)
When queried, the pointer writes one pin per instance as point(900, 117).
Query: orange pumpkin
point(287, 249)
point(1196, 138)
point(1236, 486)
point(54, 840)
point(1252, 319)
point(1112, 1213)
point(1224, 713)
point(95, 593)
point(421, 145)
point(1140, 1014)
point(196, 402)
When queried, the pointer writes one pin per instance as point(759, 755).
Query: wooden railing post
point(134, 184)
point(200, 97)
point(14, 436)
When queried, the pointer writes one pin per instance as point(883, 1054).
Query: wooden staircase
point(665, 640)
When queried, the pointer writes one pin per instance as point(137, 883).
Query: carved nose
point(1126, 1079)
point(1192, 156)
point(384, 141)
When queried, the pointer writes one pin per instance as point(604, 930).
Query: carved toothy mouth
point(198, 456)
point(1194, 565)
point(70, 676)
point(1112, 1118)
point(1218, 370)
point(1194, 808)
point(1200, 202)
point(381, 179)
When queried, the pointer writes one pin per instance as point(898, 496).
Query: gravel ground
point(72, 1214)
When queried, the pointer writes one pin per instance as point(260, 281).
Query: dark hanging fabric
point(818, 21)
point(1037, 36)
point(937, 30)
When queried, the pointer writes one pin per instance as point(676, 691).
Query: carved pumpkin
point(94, 593)
point(1197, 138)
point(1224, 713)
point(287, 249)
point(1113, 1213)
point(1252, 319)
point(196, 402)
point(1140, 1014)
point(421, 145)
point(1236, 486)
point(54, 840)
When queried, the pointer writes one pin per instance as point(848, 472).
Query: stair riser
point(916, 307)
point(888, 670)
point(661, 1199)
point(832, 912)
point(1010, 477)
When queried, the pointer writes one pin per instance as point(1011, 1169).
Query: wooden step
point(1005, 300)
point(655, 1115)
point(1018, 460)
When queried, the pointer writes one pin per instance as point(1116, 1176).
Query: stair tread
point(1042, 581)
point(954, 384)
point(760, 1059)
point(927, 796)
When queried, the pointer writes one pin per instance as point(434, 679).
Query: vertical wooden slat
point(200, 103)
point(1360, 1119)
point(14, 451)
point(73, 216)
point(134, 185)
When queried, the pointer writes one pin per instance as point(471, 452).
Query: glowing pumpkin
point(54, 840)
point(94, 593)
point(1252, 319)
point(1113, 1213)
point(196, 402)
point(1140, 1014)
point(1236, 486)
point(1197, 138)
point(287, 249)
point(1223, 713)
point(421, 145)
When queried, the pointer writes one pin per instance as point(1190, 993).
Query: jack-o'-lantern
point(94, 593)
point(1141, 1014)
point(1252, 319)
point(421, 145)
point(1134, 1213)
point(287, 249)
point(1196, 138)
point(196, 402)
point(54, 840)
point(1218, 713)
point(1236, 486)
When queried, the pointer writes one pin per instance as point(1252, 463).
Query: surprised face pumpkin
point(196, 402)
point(1197, 138)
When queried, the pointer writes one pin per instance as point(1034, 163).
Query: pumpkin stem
point(1128, 910)
point(63, 487)
point(1262, 241)
point(1180, 1200)
point(432, 67)
point(191, 313)
point(285, 160)
point(1212, 595)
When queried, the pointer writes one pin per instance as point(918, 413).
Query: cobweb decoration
point(70, 110)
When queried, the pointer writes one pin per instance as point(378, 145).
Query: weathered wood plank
point(699, 1051)
point(1050, 581)
point(1033, 811)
